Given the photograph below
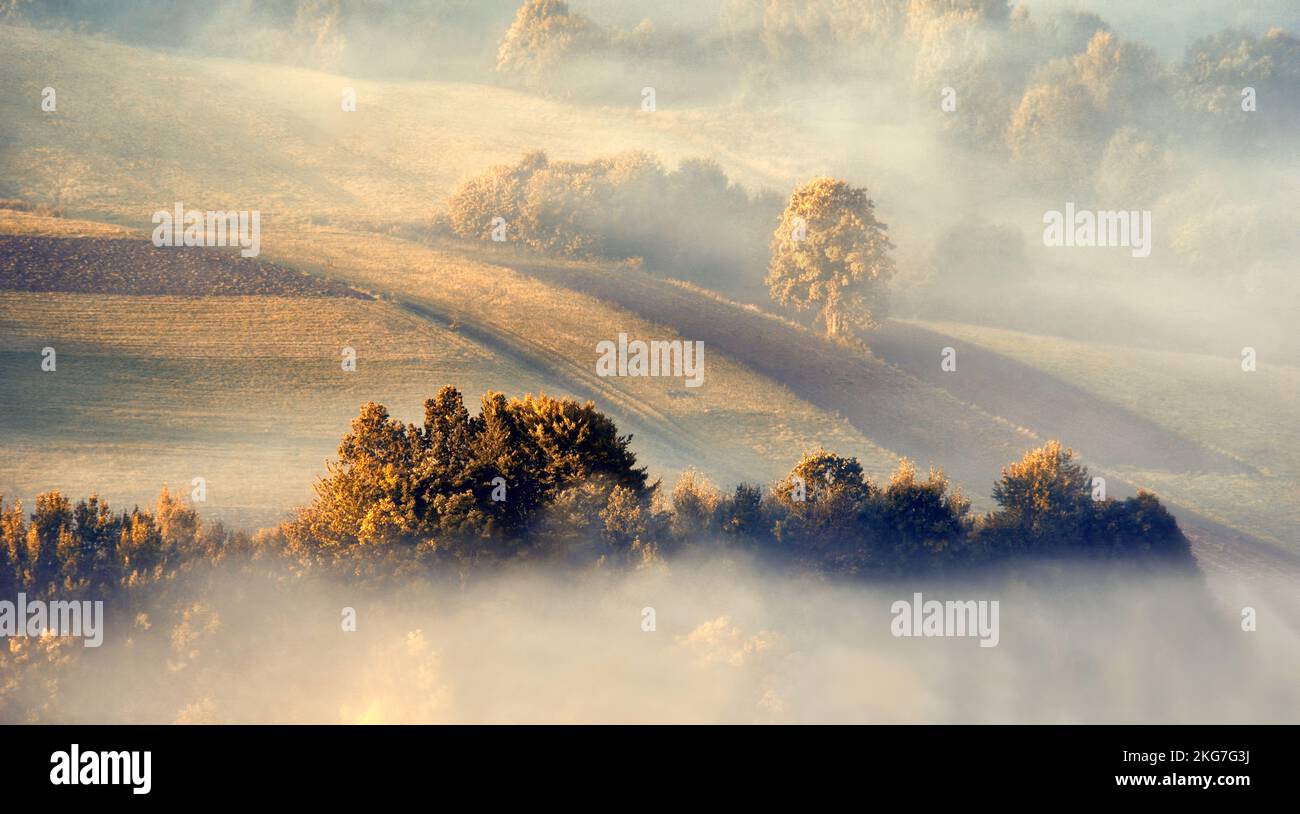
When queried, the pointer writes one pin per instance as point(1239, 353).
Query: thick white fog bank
point(730, 643)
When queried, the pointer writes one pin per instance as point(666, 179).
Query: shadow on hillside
point(899, 397)
point(1053, 408)
point(896, 399)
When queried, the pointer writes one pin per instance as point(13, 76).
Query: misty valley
point(534, 362)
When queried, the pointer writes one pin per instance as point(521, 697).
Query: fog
point(731, 643)
point(1046, 115)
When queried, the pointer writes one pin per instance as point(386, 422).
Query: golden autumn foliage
point(543, 34)
point(831, 256)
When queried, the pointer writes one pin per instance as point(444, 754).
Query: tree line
point(87, 549)
point(543, 478)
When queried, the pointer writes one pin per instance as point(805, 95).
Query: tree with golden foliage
point(1047, 508)
point(1071, 107)
point(831, 255)
point(543, 33)
point(51, 521)
point(460, 478)
point(13, 546)
point(1045, 497)
point(924, 521)
point(695, 505)
point(820, 503)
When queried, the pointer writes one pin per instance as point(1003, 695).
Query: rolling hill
point(162, 381)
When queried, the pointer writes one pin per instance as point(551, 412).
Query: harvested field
point(137, 267)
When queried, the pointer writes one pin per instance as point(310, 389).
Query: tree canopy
point(831, 256)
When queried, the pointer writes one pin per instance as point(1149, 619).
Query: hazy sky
point(1170, 26)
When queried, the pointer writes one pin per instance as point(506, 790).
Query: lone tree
point(830, 254)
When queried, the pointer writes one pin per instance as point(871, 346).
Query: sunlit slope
point(739, 425)
point(890, 407)
point(909, 405)
point(249, 391)
point(229, 134)
point(136, 130)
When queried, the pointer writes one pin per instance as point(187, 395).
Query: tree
point(543, 34)
point(1071, 107)
point(830, 255)
point(444, 475)
point(626, 523)
point(13, 546)
point(742, 515)
point(1054, 132)
point(502, 448)
point(926, 523)
point(1045, 501)
point(695, 507)
point(52, 517)
point(178, 523)
point(99, 532)
point(575, 441)
point(1218, 67)
point(822, 501)
point(368, 494)
point(141, 545)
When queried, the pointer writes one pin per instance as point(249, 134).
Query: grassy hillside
point(735, 410)
point(227, 135)
point(1250, 418)
point(160, 387)
point(164, 127)
point(248, 390)
point(245, 391)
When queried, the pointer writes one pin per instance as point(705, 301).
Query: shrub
point(620, 208)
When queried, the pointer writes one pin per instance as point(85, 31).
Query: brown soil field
point(137, 267)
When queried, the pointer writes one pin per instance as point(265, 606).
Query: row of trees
point(827, 513)
point(692, 220)
point(1030, 85)
point(88, 550)
point(546, 478)
point(552, 478)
